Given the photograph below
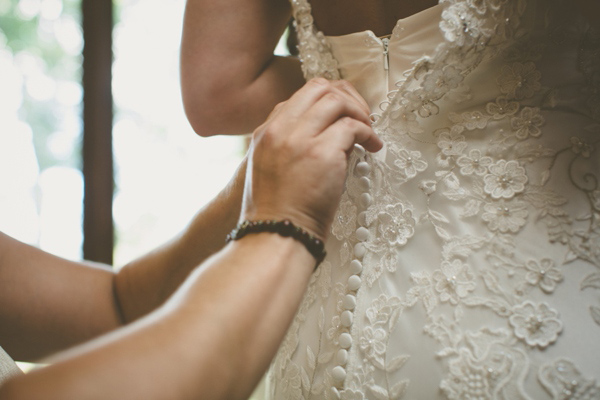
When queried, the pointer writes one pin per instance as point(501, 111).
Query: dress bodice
point(374, 64)
point(464, 260)
point(8, 368)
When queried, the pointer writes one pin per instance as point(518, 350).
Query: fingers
point(345, 132)
point(371, 143)
point(306, 96)
point(354, 126)
point(350, 89)
point(327, 111)
point(322, 106)
point(330, 93)
point(276, 110)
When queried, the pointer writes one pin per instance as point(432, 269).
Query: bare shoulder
point(340, 17)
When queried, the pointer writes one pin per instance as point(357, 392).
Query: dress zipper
point(386, 56)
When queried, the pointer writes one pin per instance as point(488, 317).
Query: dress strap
point(314, 49)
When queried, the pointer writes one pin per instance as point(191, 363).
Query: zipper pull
point(386, 55)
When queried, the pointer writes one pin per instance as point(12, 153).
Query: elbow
point(204, 124)
point(218, 119)
point(216, 111)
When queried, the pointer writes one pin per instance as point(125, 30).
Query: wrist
point(277, 249)
point(232, 193)
point(311, 225)
point(284, 228)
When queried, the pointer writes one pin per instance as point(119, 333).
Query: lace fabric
point(8, 368)
point(464, 260)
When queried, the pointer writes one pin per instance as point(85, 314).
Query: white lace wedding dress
point(8, 368)
point(464, 262)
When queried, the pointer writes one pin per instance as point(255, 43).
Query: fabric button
point(362, 218)
point(362, 234)
point(359, 250)
point(335, 394)
point(342, 357)
point(356, 267)
point(345, 340)
point(363, 168)
point(338, 374)
point(346, 318)
point(364, 183)
point(349, 302)
point(354, 282)
point(359, 150)
point(366, 199)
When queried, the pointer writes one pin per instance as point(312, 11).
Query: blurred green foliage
point(46, 41)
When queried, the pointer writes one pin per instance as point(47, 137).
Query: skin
point(102, 299)
point(235, 49)
point(214, 337)
point(230, 77)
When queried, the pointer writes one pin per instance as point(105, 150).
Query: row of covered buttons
point(338, 373)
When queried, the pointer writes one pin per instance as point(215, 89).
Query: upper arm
point(48, 303)
point(230, 77)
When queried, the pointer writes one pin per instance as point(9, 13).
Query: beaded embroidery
point(501, 184)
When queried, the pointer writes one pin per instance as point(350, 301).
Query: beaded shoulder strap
point(315, 51)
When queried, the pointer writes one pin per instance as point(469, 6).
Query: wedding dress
point(8, 368)
point(464, 260)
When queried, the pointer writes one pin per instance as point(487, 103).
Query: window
point(163, 172)
point(40, 180)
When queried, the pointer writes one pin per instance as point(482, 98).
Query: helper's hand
point(298, 158)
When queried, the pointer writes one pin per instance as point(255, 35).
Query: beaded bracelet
point(285, 228)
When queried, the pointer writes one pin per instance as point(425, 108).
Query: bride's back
point(340, 17)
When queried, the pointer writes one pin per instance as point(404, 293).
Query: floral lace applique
point(564, 381)
point(538, 325)
point(519, 81)
point(470, 120)
point(505, 216)
point(497, 373)
point(528, 123)
point(344, 223)
point(285, 370)
point(292, 382)
point(497, 167)
point(502, 108)
point(382, 315)
point(409, 163)
point(544, 274)
point(474, 163)
point(461, 27)
point(453, 281)
point(505, 179)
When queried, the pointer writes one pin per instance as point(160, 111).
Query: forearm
point(217, 335)
point(48, 303)
point(214, 338)
point(145, 283)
